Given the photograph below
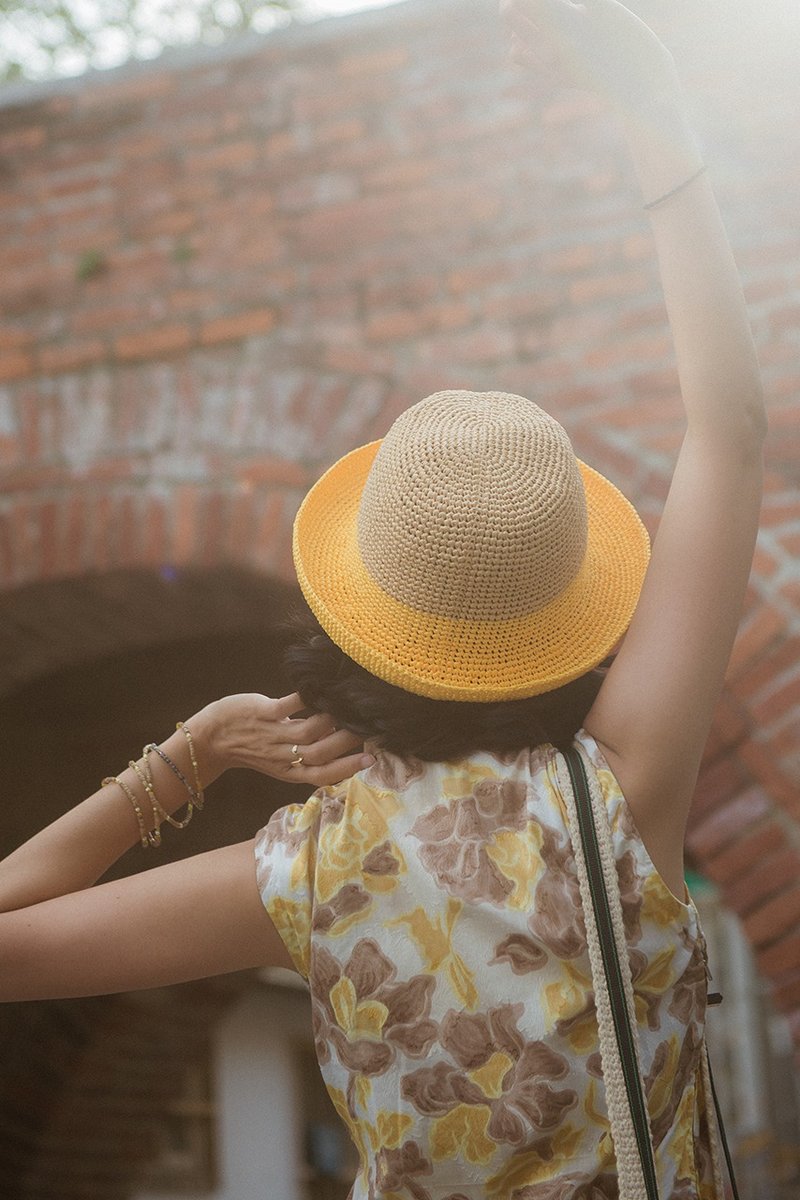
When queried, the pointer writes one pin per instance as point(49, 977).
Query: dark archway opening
point(82, 1080)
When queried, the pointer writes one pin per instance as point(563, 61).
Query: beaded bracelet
point(147, 839)
point(180, 725)
point(196, 795)
point(145, 777)
point(147, 783)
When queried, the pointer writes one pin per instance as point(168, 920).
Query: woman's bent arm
point(186, 920)
point(60, 936)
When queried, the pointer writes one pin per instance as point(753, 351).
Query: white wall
point(256, 1096)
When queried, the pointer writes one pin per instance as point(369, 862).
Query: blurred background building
point(222, 270)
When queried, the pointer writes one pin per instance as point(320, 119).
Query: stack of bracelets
point(145, 777)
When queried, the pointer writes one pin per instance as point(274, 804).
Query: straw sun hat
point(470, 555)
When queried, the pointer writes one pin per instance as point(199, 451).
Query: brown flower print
point(437, 1090)
point(401, 1168)
point(557, 920)
point(667, 1080)
point(289, 827)
point(572, 1187)
point(690, 995)
point(527, 1102)
point(348, 900)
point(361, 1012)
point(454, 838)
point(630, 887)
point(381, 861)
point(522, 954)
point(389, 772)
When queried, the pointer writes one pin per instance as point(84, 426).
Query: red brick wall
point(222, 272)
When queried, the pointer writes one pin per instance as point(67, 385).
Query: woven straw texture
point(470, 555)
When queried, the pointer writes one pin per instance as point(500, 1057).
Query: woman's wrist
point(207, 731)
point(663, 146)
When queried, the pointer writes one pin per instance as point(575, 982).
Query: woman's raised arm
point(654, 711)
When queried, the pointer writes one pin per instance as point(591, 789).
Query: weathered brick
point(609, 286)
point(780, 959)
point(15, 365)
point(235, 327)
point(269, 519)
point(19, 140)
point(760, 760)
point(213, 524)
point(241, 523)
point(185, 526)
point(745, 854)
point(777, 703)
point(230, 156)
point(726, 823)
point(758, 677)
point(155, 542)
point(272, 471)
point(768, 890)
point(70, 356)
point(395, 326)
point(153, 343)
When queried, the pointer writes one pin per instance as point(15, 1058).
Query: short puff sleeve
point(286, 862)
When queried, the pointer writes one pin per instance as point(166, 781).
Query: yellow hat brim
point(449, 659)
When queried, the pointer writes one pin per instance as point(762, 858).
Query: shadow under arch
point(91, 670)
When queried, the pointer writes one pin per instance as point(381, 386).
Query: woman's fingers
point(326, 749)
point(332, 772)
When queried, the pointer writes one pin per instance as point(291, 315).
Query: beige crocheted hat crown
point(470, 555)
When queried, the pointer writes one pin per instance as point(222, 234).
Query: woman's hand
point(250, 730)
point(599, 46)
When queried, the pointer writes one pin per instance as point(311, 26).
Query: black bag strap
point(614, 978)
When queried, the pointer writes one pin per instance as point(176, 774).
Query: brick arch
point(92, 667)
point(225, 271)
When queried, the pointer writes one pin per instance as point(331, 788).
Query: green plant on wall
point(90, 264)
point(41, 38)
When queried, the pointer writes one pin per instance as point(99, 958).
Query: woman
point(468, 580)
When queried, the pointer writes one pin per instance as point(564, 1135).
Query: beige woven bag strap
point(630, 1169)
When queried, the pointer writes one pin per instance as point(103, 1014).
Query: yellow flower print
point(489, 1077)
point(363, 1092)
point(661, 1094)
point(682, 1145)
point(519, 859)
point(358, 1019)
point(659, 904)
point(390, 1129)
point(375, 810)
point(463, 783)
point(345, 844)
point(653, 982)
point(293, 923)
point(461, 1134)
point(356, 1129)
point(434, 943)
point(525, 1170)
point(567, 1005)
point(595, 1115)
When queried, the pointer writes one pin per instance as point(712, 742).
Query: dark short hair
point(418, 727)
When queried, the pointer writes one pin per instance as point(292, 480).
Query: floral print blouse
point(434, 910)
